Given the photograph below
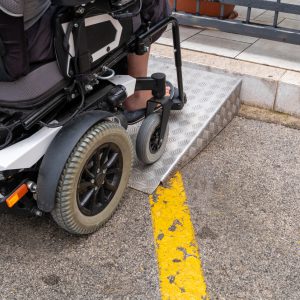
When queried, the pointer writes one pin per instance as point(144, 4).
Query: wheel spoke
point(97, 160)
point(105, 156)
point(100, 179)
point(113, 171)
point(109, 196)
point(89, 173)
point(111, 161)
point(102, 195)
point(86, 199)
point(110, 186)
point(84, 186)
point(94, 202)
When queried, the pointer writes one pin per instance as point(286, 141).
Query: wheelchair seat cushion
point(34, 10)
point(32, 90)
point(14, 8)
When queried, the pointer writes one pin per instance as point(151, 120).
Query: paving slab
point(229, 36)
point(185, 33)
point(259, 82)
point(242, 11)
point(268, 19)
point(292, 24)
point(239, 47)
point(260, 51)
point(285, 15)
point(273, 53)
point(219, 46)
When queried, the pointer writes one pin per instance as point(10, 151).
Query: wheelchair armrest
point(70, 2)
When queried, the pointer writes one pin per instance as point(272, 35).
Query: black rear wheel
point(94, 179)
point(100, 179)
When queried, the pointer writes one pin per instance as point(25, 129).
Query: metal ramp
point(213, 101)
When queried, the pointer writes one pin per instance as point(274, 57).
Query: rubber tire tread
point(62, 213)
point(147, 129)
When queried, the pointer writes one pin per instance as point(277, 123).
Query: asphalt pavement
point(244, 196)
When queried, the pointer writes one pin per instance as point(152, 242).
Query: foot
point(139, 99)
point(233, 15)
point(137, 103)
point(136, 116)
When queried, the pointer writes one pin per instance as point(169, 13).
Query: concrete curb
point(262, 86)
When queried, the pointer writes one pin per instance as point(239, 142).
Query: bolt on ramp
point(213, 101)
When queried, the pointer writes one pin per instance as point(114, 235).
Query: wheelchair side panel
point(28, 152)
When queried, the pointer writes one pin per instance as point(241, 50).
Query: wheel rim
point(155, 144)
point(99, 179)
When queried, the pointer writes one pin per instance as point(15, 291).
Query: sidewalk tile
point(292, 24)
point(229, 36)
point(267, 19)
point(260, 82)
point(285, 15)
point(214, 45)
point(222, 64)
point(185, 33)
point(273, 53)
point(242, 11)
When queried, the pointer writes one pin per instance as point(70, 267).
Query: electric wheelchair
point(64, 148)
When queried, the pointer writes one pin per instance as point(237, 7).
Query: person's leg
point(152, 11)
point(138, 67)
point(40, 46)
point(15, 60)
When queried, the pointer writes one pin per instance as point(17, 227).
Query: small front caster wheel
point(94, 179)
point(149, 148)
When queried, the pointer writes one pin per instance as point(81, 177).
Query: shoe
point(136, 116)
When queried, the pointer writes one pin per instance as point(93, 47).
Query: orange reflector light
point(17, 195)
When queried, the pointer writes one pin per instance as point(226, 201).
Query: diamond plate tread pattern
point(213, 101)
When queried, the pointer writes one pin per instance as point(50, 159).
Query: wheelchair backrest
point(83, 40)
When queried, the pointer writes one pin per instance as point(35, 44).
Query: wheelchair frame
point(42, 178)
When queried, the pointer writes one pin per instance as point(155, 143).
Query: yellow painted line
point(181, 275)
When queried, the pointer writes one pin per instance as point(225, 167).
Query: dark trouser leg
point(12, 35)
point(40, 39)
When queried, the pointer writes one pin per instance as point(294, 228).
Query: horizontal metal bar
point(261, 31)
point(268, 5)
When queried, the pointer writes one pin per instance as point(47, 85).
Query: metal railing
point(247, 26)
